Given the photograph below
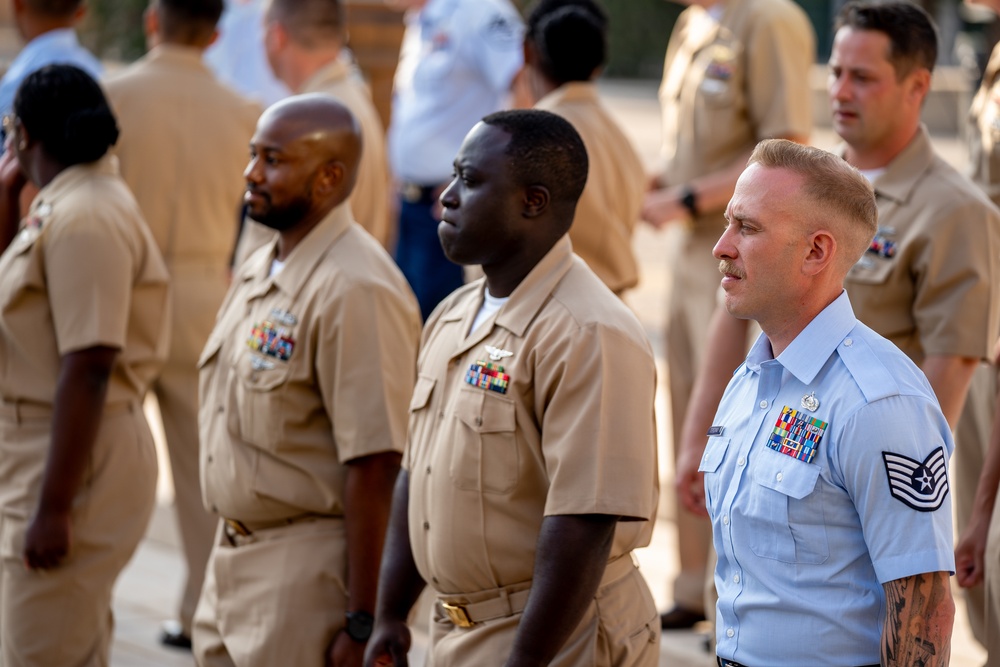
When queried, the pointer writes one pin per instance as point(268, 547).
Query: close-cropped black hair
point(65, 110)
point(189, 21)
point(570, 37)
point(60, 8)
point(544, 149)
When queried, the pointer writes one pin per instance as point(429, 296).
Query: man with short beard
point(305, 384)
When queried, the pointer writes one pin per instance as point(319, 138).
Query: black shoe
point(174, 637)
point(680, 618)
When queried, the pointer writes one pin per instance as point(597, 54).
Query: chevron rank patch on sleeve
point(921, 485)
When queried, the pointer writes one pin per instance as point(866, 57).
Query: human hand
point(661, 207)
point(970, 553)
point(689, 484)
point(47, 541)
point(389, 644)
point(345, 652)
point(12, 179)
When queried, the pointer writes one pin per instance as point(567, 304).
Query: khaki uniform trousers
point(277, 597)
point(197, 292)
point(620, 629)
point(693, 298)
point(972, 434)
point(63, 616)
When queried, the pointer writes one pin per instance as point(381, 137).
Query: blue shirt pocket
point(711, 460)
point(785, 509)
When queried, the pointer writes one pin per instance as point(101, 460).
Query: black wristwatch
point(690, 201)
point(359, 625)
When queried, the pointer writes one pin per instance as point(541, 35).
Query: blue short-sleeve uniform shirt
point(826, 477)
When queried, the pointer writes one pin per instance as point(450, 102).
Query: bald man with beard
point(305, 384)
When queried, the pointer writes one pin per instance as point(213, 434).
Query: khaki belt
point(17, 412)
point(506, 602)
point(241, 532)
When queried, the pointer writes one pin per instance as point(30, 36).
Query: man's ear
point(821, 251)
point(536, 200)
point(330, 177)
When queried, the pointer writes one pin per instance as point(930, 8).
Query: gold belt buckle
point(457, 614)
point(238, 527)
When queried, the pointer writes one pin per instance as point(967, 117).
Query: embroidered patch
point(489, 376)
point(274, 341)
point(920, 485)
point(796, 434)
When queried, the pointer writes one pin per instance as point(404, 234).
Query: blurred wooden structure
point(375, 32)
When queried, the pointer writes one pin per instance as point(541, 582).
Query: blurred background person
point(83, 331)
point(457, 63)
point(183, 146)
point(565, 48)
point(237, 57)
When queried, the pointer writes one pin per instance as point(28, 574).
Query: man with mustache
point(305, 383)
point(826, 465)
point(930, 282)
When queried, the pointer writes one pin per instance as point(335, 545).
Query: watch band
point(359, 625)
point(690, 200)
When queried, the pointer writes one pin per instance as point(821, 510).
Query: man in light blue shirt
point(826, 467)
point(46, 26)
point(456, 65)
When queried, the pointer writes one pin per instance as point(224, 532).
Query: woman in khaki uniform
point(83, 302)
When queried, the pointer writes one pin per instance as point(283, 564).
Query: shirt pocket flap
point(211, 349)
point(483, 413)
point(422, 393)
point(788, 476)
point(715, 451)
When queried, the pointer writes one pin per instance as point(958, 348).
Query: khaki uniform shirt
point(931, 281)
point(546, 409)
point(984, 139)
point(82, 272)
point(184, 145)
point(370, 197)
point(305, 370)
point(731, 82)
point(610, 204)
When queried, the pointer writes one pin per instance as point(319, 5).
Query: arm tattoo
point(919, 617)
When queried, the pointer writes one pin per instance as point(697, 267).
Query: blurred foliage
point(113, 29)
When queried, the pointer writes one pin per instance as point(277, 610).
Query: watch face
point(359, 625)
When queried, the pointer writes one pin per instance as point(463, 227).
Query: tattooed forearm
point(919, 617)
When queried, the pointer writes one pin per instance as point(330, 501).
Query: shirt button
point(427, 526)
point(441, 415)
point(428, 470)
point(221, 409)
point(736, 578)
point(730, 632)
point(778, 476)
point(434, 579)
point(725, 520)
point(741, 461)
point(763, 405)
point(479, 421)
point(215, 509)
point(210, 459)
point(848, 342)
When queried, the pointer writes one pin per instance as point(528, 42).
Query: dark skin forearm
point(367, 502)
point(920, 614)
point(569, 564)
point(400, 584)
point(79, 403)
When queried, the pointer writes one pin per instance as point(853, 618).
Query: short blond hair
point(842, 195)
